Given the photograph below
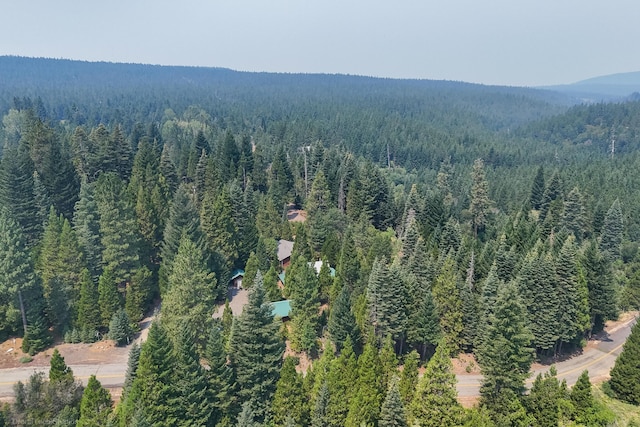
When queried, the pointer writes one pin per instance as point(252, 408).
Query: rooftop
point(281, 308)
point(285, 247)
point(237, 273)
point(317, 266)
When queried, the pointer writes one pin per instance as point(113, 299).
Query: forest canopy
point(437, 214)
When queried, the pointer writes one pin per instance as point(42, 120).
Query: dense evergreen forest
point(457, 218)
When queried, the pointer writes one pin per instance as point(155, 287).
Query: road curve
point(598, 359)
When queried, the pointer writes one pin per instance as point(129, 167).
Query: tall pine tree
point(386, 302)
point(219, 375)
point(392, 412)
point(108, 297)
point(364, 407)
point(341, 380)
point(86, 223)
point(289, 400)
point(435, 403)
point(16, 193)
point(480, 202)
point(191, 293)
point(118, 228)
point(88, 307)
point(602, 292)
point(573, 295)
point(537, 278)
point(537, 189)
point(191, 403)
point(612, 232)
point(446, 295)
point(342, 323)
point(21, 300)
point(183, 218)
point(506, 354)
point(256, 351)
point(153, 389)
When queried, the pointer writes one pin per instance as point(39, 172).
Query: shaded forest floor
point(296, 215)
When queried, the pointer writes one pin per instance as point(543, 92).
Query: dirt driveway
point(238, 298)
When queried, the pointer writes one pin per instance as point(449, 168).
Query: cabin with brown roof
point(285, 248)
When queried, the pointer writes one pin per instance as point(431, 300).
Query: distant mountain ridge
point(611, 87)
point(618, 79)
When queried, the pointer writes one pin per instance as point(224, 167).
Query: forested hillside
point(456, 218)
point(364, 115)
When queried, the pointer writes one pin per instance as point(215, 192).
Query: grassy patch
point(626, 414)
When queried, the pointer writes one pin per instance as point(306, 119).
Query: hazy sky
point(512, 42)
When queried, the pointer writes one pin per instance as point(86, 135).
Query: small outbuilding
point(236, 279)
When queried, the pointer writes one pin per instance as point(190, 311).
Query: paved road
point(110, 375)
point(598, 360)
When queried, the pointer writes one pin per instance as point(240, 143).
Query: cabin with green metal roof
point(281, 309)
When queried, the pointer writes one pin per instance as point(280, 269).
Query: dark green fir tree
point(86, 223)
point(219, 375)
point(582, 398)
point(341, 380)
point(119, 233)
point(506, 354)
point(392, 413)
point(191, 293)
point(191, 403)
point(612, 232)
point(108, 297)
point(319, 417)
point(625, 375)
point(446, 295)
point(18, 281)
point(88, 307)
point(183, 219)
point(367, 397)
point(543, 400)
point(256, 352)
point(59, 371)
point(537, 189)
point(120, 328)
point(342, 323)
point(132, 367)
point(289, 399)
point(153, 389)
